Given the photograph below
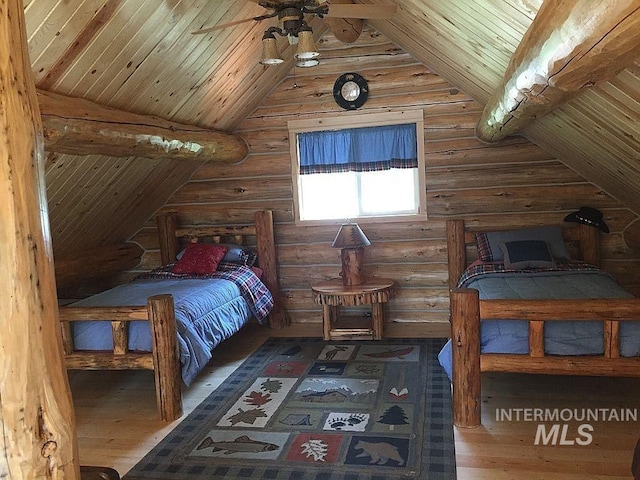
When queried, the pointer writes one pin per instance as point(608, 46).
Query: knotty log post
point(167, 225)
point(569, 47)
point(590, 244)
point(465, 337)
point(456, 251)
point(36, 412)
point(166, 357)
point(278, 317)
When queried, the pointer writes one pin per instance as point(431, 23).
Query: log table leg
point(377, 320)
point(329, 315)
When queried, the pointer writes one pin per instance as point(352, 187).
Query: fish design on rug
point(240, 444)
point(398, 352)
point(380, 453)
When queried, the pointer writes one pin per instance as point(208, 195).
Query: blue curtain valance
point(358, 149)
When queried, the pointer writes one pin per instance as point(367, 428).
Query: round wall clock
point(350, 91)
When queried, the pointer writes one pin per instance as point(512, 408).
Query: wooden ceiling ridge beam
point(569, 47)
point(77, 126)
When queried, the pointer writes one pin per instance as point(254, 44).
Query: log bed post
point(589, 244)
point(167, 225)
point(456, 251)
point(465, 336)
point(166, 357)
point(267, 260)
point(36, 411)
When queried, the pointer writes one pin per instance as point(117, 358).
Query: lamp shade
point(270, 53)
point(306, 46)
point(350, 236)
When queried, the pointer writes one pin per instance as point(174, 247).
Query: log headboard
point(169, 236)
point(583, 240)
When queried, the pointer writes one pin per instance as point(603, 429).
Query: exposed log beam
point(346, 30)
point(79, 127)
point(36, 411)
point(571, 45)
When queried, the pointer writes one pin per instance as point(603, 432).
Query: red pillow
point(200, 259)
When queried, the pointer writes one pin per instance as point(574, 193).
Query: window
point(358, 167)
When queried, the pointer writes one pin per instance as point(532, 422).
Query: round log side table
point(332, 294)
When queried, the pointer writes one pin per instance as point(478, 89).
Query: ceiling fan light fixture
point(306, 46)
point(306, 63)
point(270, 53)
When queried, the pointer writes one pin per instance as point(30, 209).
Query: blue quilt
point(208, 311)
point(570, 281)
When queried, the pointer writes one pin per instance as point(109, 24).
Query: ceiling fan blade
point(345, 10)
point(225, 25)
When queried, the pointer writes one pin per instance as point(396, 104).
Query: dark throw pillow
point(522, 254)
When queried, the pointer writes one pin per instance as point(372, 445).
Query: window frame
point(415, 116)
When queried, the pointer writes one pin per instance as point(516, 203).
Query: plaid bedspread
point(482, 268)
point(255, 293)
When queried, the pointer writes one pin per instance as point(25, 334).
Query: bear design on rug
point(380, 453)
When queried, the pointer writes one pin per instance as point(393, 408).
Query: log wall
point(512, 183)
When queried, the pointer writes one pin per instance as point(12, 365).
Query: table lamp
point(352, 242)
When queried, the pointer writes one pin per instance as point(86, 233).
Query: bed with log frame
point(164, 357)
point(468, 311)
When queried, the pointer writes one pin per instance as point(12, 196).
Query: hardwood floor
point(117, 421)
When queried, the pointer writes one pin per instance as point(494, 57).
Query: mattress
point(561, 337)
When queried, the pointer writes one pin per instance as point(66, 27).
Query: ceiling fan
point(291, 15)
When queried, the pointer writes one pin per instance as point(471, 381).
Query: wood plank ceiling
point(139, 56)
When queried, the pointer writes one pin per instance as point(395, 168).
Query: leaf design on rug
point(271, 386)
point(399, 394)
point(316, 449)
point(247, 416)
point(257, 398)
point(284, 367)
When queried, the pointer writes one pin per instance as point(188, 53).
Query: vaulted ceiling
point(140, 56)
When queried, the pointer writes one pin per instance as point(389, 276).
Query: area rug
point(303, 409)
